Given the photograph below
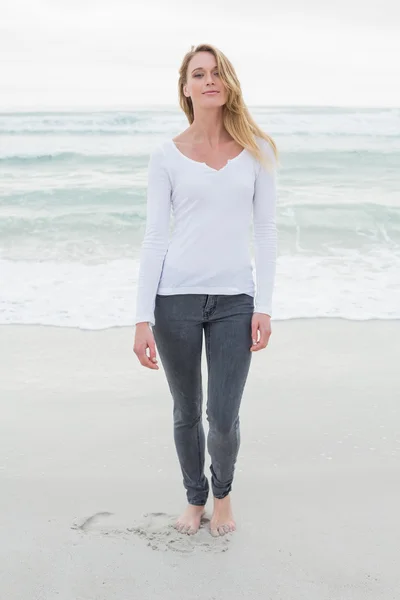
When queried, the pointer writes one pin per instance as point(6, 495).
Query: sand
point(90, 483)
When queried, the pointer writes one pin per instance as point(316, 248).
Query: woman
point(214, 175)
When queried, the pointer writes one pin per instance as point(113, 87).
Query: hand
point(260, 322)
point(144, 339)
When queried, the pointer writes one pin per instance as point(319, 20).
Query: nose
point(209, 78)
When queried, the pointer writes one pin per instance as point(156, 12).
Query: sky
point(60, 54)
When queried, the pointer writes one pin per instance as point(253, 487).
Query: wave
point(341, 225)
point(71, 157)
point(320, 227)
point(280, 120)
point(360, 288)
point(378, 211)
point(112, 123)
point(76, 131)
point(293, 158)
point(101, 131)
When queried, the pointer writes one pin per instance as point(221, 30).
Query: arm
point(155, 242)
point(265, 234)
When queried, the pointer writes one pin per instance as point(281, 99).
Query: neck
point(208, 127)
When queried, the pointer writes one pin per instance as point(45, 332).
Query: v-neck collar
point(204, 164)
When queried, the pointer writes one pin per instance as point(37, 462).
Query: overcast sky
point(123, 53)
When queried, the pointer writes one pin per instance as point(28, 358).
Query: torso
point(215, 159)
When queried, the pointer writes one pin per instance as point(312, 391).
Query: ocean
point(73, 208)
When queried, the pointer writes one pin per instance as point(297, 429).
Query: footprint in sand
point(157, 529)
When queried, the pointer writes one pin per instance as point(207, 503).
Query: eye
point(200, 74)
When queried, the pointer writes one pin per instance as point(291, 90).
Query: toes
point(180, 527)
point(185, 529)
point(223, 529)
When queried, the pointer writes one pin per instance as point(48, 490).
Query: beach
point(89, 478)
point(90, 481)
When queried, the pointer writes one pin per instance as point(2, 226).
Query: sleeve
point(265, 232)
point(155, 242)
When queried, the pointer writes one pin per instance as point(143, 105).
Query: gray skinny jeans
point(178, 333)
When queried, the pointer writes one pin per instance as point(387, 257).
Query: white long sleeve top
point(213, 210)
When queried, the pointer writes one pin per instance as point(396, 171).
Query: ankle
point(223, 500)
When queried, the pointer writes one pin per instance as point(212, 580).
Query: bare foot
point(189, 522)
point(222, 521)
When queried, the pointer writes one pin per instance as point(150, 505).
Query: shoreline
point(273, 320)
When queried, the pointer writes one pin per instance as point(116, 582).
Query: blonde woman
point(217, 177)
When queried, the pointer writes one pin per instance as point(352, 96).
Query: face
point(203, 77)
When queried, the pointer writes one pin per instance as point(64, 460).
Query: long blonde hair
point(236, 117)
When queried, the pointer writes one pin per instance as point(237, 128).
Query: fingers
point(146, 360)
point(153, 356)
point(254, 332)
point(149, 361)
point(259, 344)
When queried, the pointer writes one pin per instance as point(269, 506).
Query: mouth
point(211, 93)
